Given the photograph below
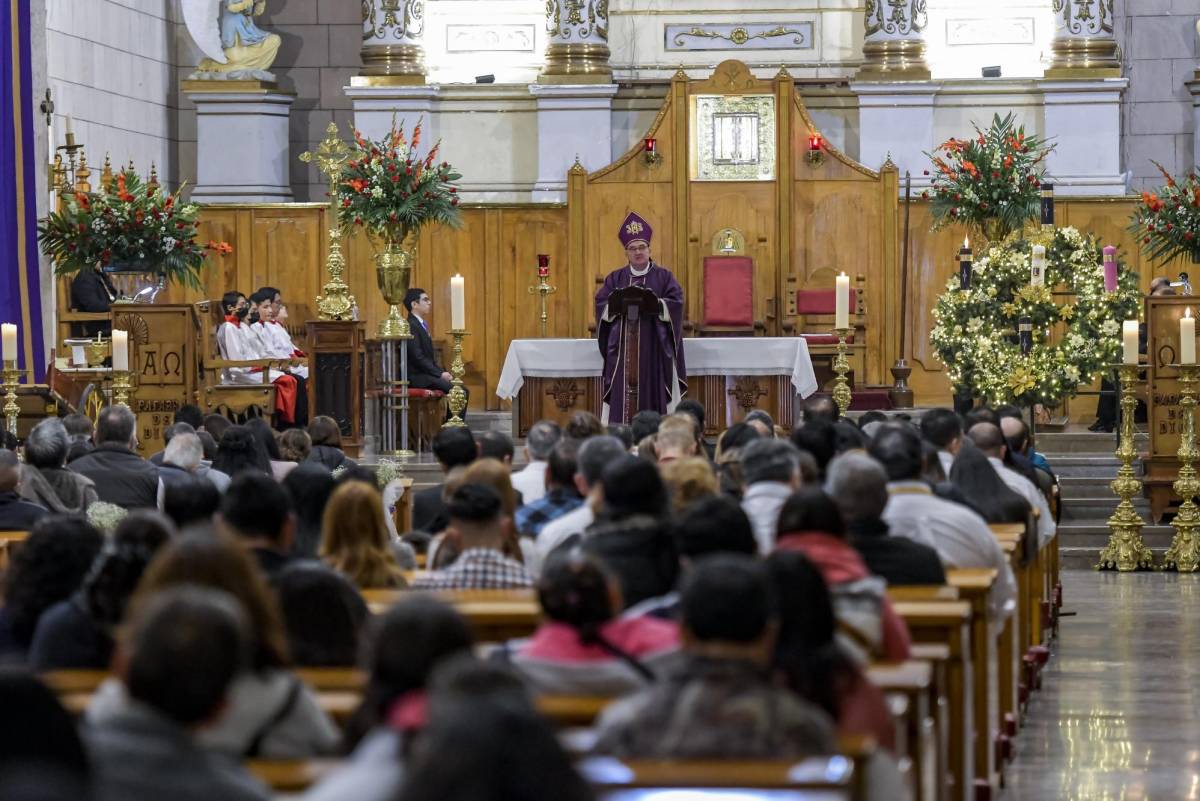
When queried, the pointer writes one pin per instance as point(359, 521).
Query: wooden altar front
point(554, 379)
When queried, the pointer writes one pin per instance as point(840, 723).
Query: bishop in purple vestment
point(658, 340)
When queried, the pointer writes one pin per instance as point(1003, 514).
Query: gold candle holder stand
point(841, 366)
point(1126, 550)
point(458, 395)
point(122, 387)
point(543, 288)
point(10, 379)
point(1184, 553)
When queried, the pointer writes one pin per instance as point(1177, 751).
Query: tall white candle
point(458, 303)
point(8, 350)
point(70, 124)
point(1129, 338)
point(1037, 266)
point(1187, 338)
point(841, 317)
point(120, 350)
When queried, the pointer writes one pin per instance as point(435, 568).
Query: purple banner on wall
point(20, 287)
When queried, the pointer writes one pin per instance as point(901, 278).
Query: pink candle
point(1110, 269)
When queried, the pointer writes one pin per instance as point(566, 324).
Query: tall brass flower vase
point(394, 264)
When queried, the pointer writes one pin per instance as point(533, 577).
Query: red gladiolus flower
point(454, 201)
point(453, 190)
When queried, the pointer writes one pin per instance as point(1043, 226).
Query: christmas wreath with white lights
point(1074, 324)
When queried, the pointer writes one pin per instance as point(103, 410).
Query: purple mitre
point(634, 229)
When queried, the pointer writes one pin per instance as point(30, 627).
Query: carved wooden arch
point(686, 213)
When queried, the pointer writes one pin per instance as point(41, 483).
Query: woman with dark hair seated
point(486, 742)
point(265, 435)
point(309, 486)
point(323, 613)
point(238, 450)
point(583, 648)
point(869, 628)
point(415, 636)
point(47, 568)
point(269, 712)
point(810, 659)
point(983, 488)
point(327, 443)
point(79, 632)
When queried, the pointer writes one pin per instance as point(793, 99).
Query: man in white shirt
point(539, 443)
point(594, 455)
point(990, 439)
point(771, 468)
point(958, 534)
point(943, 429)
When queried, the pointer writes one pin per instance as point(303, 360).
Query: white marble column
point(894, 46)
point(393, 50)
point(375, 107)
point(1083, 45)
point(896, 122)
point(574, 121)
point(1083, 120)
point(577, 44)
point(242, 153)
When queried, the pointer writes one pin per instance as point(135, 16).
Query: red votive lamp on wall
point(650, 154)
point(816, 149)
point(543, 265)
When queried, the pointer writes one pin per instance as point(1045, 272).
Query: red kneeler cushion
point(728, 291)
point(822, 301)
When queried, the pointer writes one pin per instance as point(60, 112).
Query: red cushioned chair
point(729, 298)
point(815, 310)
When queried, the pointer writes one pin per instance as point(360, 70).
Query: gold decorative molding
point(894, 60)
point(895, 17)
point(249, 86)
point(741, 35)
point(392, 31)
point(1084, 46)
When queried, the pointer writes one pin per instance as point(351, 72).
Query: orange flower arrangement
point(1168, 220)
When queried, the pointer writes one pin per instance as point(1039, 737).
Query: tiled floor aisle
point(1118, 717)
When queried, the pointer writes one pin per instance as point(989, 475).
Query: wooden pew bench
point(494, 615)
point(948, 624)
point(975, 586)
point(10, 541)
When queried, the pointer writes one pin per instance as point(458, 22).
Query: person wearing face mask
point(275, 337)
point(237, 342)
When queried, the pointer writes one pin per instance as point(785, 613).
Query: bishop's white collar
point(636, 274)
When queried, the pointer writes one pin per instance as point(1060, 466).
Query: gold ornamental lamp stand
point(841, 366)
point(543, 288)
point(10, 379)
point(1184, 553)
point(1126, 550)
point(458, 395)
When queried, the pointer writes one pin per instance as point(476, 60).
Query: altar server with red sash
point(640, 335)
point(238, 343)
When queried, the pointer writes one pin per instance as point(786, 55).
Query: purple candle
point(1110, 269)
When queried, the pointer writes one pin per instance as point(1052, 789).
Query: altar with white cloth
point(551, 379)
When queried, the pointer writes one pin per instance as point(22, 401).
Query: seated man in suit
point(92, 291)
point(423, 369)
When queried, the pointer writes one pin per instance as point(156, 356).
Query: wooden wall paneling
point(287, 254)
point(218, 224)
point(750, 208)
point(833, 224)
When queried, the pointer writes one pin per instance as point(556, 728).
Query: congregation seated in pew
point(666, 608)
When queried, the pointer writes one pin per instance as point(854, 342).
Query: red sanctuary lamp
point(650, 152)
point(543, 288)
point(816, 149)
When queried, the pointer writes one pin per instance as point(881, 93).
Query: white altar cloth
point(729, 356)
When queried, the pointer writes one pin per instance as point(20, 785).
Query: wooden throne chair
point(728, 285)
point(816, 305)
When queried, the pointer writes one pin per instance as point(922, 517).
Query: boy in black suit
point(423, 369)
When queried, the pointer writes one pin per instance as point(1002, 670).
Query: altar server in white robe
point(277, 342)
point(237, 342)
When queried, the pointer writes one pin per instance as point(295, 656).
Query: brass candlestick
point(1184, 553)
point(122, 387)
point(336, 302)
point(1126, 551)
point(543, 288)
point(458, 395)
point(11, 378)
point(404, 453)
point(841, 387)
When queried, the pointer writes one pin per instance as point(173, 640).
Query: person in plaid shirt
point(476, 528)
point(561, 496)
